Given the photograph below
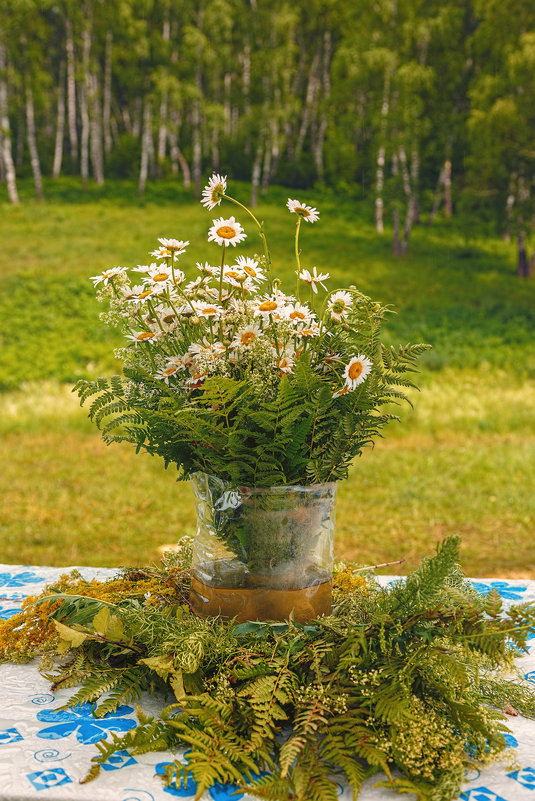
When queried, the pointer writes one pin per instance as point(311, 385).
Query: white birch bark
point(326, 86)
point(447, 188)
point(84, 111)
point(162, 132)
point(32, 143)
point(106, 105)
point(71, 93)
point(177, 157)
point(381, 153)
point(396, 248)
point(97, 159)
point(2, 168)
point(310, 99)
point(60, 125)
point(145, 147)
point(227, 108)
point(257, 166)
point(5, 128)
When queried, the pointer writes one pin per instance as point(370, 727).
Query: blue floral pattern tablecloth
point(45, 751)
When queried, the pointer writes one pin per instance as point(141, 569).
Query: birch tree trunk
point(381, 152)
point(71, 93)
point(2, 168)
point(106, 106)
point(97, 159)
point(177, 157)
point(197, 148)
point(310, 99)
point(396, 248)
point(32, 143)
point(326, 86)
point(60, 124)
point(162, 132)
point(145, 147)
point(523, 264)
point(447, 188)
point(437, 197)
point(415, 181)
point(7, 156)
point(257, 166)
point(84, 111)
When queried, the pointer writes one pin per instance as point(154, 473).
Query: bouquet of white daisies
point(228, 374)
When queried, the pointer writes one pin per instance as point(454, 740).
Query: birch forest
point(424, 107)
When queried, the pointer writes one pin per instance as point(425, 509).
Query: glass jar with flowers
point(262, 397)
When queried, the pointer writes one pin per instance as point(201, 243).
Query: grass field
point(462, 461)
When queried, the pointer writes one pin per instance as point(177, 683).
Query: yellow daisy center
point(168, 318)
point(173, 248)
point(297, 315)
point(170, 371)
point(338, 306)
point(355, 370)
point(145, 294)
point(232, 274)
point(145, 335)
point(226, 232)
point(250, 271)
point(268, 305)
point(208, 311)
point(247, 338)
point(302, 211)
point(161, 277)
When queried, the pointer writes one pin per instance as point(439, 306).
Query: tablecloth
point(44, 751)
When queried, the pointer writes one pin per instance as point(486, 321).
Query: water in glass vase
point(262, 554)
point(261, 603)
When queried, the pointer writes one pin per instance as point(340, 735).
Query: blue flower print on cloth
point(510, 740)
point(511, 592)
point(80, 720)
point(118, 760)
point(19, 579)
point(224, 792)
point(174, 789)
point(7, 612)
point(481, 794)
point(43, 779)
point(8, 736)
point(530, 676)
point(526, 777)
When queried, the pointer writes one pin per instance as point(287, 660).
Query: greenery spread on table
point(228, 375)
point(414, 676)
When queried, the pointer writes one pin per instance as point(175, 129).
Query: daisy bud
point(194, 320)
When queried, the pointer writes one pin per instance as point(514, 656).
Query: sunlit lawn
point(462, 461)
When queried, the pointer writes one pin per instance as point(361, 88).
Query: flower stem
point(221, 273)
point(260, 231)
point(297, 259)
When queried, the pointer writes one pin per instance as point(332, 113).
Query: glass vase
point(262, 553)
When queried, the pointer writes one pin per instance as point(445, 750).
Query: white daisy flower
point(234, 277)
point(226, 232)
point(193, 286)
point(268, 306)
point(207, 269)
point(142, 336)
point(172, 367)
point(339, 305)
point(285, 363)
point(214, 191)
point(307, 213)
point(246, 337)
point(107, 275)
point(357, 370)
point(307, 331)
point(209, 310)
point(196, 380)
point(141, 292)
point(160, 274)
point(345, 389)
point(314, 278)
point(250, 266)
point(172, 245)
point(299, 313)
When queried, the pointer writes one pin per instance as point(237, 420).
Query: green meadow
point(462, 460)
